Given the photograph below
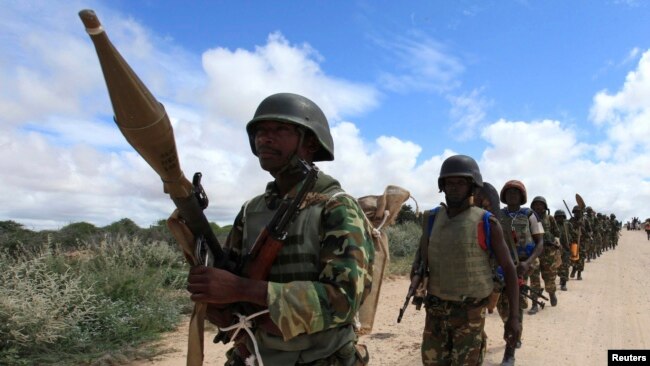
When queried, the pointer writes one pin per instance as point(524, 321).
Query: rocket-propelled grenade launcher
point(144, 123)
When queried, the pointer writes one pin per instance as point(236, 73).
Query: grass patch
point(91, 306)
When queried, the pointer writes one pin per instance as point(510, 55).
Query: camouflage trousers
point(547, 268)
point(503, 306)
point(563, 271)
point(453, 333)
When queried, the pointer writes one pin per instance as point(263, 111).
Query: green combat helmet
point(540, 199)
point(559, 213)
point(460, 166)
point(576, 210)
point(298, 110)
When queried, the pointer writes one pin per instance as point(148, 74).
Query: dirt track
point(608, 309)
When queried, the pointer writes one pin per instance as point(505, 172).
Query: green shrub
point(404, 239)
point(94, 303)
point(403, 242)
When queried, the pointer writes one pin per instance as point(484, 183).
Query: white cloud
point(551, 162)
point(240, 79)
point(468, 111)
point(66, 163)
point(422, 63)
point(626, 114)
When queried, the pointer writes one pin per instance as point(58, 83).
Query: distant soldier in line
point(524, 233)
point(579, 225)
point(590, 218)
point(616, 229)
point(567, 236)
point(601, 230)
point(547, 260)
point(647, 228)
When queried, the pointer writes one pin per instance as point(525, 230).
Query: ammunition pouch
point(432, 301)
point(525, 251)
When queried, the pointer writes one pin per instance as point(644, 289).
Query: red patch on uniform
point(481, 236)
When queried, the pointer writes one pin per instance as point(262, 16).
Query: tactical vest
point(298, 260)
point(517, 223)
point(566, 233)
point(458, 267)
point(549, 238)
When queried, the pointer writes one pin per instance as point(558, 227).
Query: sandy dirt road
point(608, 309)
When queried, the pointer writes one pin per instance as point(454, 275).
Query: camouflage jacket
point(345, 267)
point(568, 233)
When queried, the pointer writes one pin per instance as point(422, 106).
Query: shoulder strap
point(488, 231)
point(432, 217)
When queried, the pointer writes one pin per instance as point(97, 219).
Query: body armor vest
point(458, 267)
point(516, 225)
point(566, 233)
point(298, 260)
point(549, 238)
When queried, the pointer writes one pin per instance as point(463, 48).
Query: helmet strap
point(293, 166)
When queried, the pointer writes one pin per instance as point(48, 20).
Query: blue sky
point(554, 93)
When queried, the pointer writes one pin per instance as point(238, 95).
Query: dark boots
point(563, 285)
point(580, 275)
point(553, 298)
point(534, 309)
point(573, 272)
point(508, 357)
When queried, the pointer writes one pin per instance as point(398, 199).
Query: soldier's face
point(538, 207)
point(559, 219)
point(513, 197)
point(456, 190)
point(275, 143)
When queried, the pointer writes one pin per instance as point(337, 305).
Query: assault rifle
point(256, 264)
point(524, 289)
point(528, 292)
point(259, 259)
point(418, 275)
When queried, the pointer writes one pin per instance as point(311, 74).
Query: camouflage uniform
point(453, 332)
point(547, 267)
point(594, 234)
point(567, 236)
point(579, 225)
point(460, 275)
point(454, 326)
point(519, 239)
point(313, 310)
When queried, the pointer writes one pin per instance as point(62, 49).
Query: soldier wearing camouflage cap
point(324, 269)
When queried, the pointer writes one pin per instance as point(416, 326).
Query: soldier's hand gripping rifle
point(418, 275)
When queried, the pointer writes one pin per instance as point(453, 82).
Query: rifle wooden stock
point(265, 251)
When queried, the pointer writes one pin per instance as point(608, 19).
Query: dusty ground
point(608, 309)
